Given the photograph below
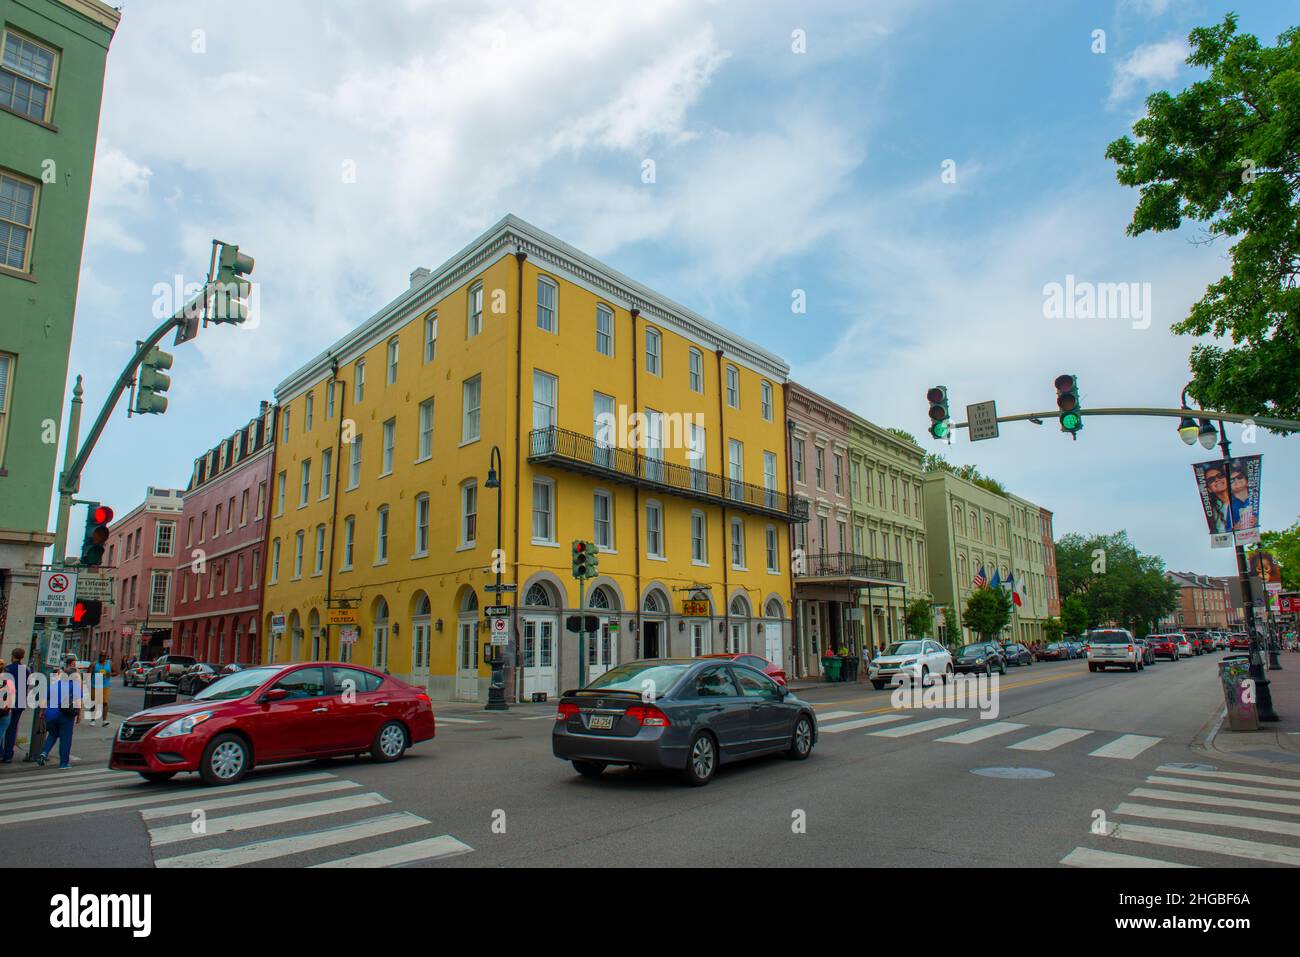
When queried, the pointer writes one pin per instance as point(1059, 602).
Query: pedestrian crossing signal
point(86, 614)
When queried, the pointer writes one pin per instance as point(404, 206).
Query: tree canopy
point(1113, 581)
point(1285, 547)
point(988, 611)
point(934, 462)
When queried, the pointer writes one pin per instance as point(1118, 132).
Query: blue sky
point(774, 171)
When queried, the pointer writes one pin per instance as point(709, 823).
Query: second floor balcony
point(564, 449)
point(849, 567)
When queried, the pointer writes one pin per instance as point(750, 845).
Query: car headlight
point(184, 725)
point(979, 661)
point(908, 663)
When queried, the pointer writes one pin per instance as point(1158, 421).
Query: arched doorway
point(539, 622)
point(738, 626)
point(467, 647)
point(295, 633)
point(379, 635)
point(655, 637)
point(774, 632)
point(420, 631)
point(313, 623)
point(602, 652)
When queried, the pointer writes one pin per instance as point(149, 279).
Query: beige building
point(1030, 568)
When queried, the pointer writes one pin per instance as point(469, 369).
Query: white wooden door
point(736, 644)
point(467, 661)
point(602, 651)
point(539, 657)
point(699, 638)
point(420, 652)
point(772, 633)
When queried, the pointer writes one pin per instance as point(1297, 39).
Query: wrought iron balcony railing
point(849, 565)
point(571, 450)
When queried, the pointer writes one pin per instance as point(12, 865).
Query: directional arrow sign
point(495, 611)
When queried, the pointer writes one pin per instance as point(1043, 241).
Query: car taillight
point(649, 716)
point(1130, 647)
point(566, 710)
point(423, 696)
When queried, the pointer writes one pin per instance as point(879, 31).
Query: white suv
point(919, 661)
point(1111, 648)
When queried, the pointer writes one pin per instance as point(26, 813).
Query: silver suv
point(1113, 648)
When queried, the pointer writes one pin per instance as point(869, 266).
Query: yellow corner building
point(617, 416)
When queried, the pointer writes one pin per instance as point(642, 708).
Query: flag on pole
point(1015, 590)
point(997, 580)
point(980, 578)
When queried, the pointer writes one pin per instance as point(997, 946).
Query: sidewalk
point(91, 747)
point(1276, 744)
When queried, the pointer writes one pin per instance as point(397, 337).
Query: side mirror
point(275, 694)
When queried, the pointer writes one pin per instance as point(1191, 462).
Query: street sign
point(278, 624)
point(695, 607)
point(94, 588)
point(982, 420)
point(54, 651)
point(500, 629)
point(57, 594)
point(1221, 540)
point(496, 611)
point(340, 616)
point(348, 634)
point(500, 588)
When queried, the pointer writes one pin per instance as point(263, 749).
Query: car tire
point(225, 760)
point(947, 674)
point(801, 740)
point(925, 675)
point(589, 769)
point(701, 759)
point(1004, 669)
point(1092, 668)
point(157, 777)
point(390, 742)
point(878, 685)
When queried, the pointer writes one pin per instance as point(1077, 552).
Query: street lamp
point(1188, 429)
point(1207, 435)
point(497, 688)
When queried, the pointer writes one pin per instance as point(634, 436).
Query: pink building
point(218, 569)
point(141, 555)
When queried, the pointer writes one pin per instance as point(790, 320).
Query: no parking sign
point(57, 594)
point(500, 630)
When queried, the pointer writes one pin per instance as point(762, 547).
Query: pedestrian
point(103, 680)
point(62, 713)
point(8, 698)
point(18, 674)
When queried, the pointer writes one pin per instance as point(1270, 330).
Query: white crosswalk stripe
point(1241, 821)
point(861, 723)
point(832, 715)
point(432, 848)
point(208, 800)
point(296, 843)
point(1087, 857)
point(1126, 747)
point(1231, 776)
point(172, 833)
point(1051, 740)
point(932, 725)
point(982, 733)
point(442, 720)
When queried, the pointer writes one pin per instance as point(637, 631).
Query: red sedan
point(758, 664)
point(273, 713)
point(1164, 646)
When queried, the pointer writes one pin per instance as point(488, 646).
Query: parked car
point(1055, 651)
point(136, 673)
point(169, 668)
point(1017, 654)
point(985, 656)
point(201, 679)
point(1079, 648)
point(274, 713)
point(188, 682)
point(1164, 646)
point(1185, 647)
point(1148, 656)
point(1239, 642)
point(705, 713)
point(919, 660)
point(773, 671)
point(1113, 648)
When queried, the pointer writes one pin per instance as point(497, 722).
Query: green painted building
point(52, 59)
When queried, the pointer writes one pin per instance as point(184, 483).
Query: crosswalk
point(1203, 815)
point(183, 814)
point(1016, 737)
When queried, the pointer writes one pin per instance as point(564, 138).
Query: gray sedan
point(686, 714)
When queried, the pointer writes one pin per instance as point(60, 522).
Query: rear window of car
point(633, 677)
point(355, 680)
point(179, 660)
point(975, 649)
point(1109, 637)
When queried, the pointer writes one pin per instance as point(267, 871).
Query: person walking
point(18, 674)
point(8, 698)
point(62, 714)
point(102, 675)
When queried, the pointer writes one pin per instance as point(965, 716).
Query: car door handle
point(381, 704)
point(319, 710)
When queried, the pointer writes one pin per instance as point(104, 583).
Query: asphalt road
point(882, 788)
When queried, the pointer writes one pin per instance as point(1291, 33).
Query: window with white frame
point(297, 553)
point(695, 375)
point(547, 294)
point(543, 511)
point(393, 349)
point(318, 565)
point(469, 512)
point(471, 391)
point(654, 450)
point(284, 425)
point(733, 387)
point(27, 72)
point(699, 538)
point(430, 337)
point(422, 524)
point(654, 530)
point(737, 543)
point(603, 520)
point(243, 508)
point(654, 345)
point(475, 311)
point(819, 466)
point(604, 330)
point(7, 364)
point(390, 445)
point(326, 472)
point(604, 429)
point(765, 399)
point(837, 468)
point(330, 388)
point(164, 535)
point(735, 466)
point(349, 539)
point(354, 462)
point(159, 586)
point(842, 529)
point(426, 430)
point(309, 412)
point(304, 485)
point(697, 457)
point(275, 561)
point(773, 551)
point(546, 390)
point(359, 382)
point(769, 479)
point(381, 534)
point(798, 448)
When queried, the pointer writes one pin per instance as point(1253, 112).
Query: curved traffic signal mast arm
point(1283, 425)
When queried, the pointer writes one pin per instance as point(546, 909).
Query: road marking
point(442, 720)
point(933, 724)
point(172, 833)
point(862, 723)
point(434, 847)
point(253, 797)
point(982, 733)
point(1051, 740)
point(152, 797)
point(1232, 776)
point(1214, 800)
point(284, 846)
point(832, 715)
point(1087, 857)
point(539, 717)
point(27, 784)
point(1126, 747)
point(1003, 686)
point(73, 790)
point(1194, 841)
point(1188, 816)
point(1223, 788)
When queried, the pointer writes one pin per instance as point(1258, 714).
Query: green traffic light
point(1071, 421)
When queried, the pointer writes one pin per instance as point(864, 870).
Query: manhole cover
point(1013, 773)
point(1192, 767)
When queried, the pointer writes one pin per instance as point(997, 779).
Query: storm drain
point(1013, 773)
point(1191, 767)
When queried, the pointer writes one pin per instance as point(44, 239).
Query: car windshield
point(975, 649)
point(234, 686)
point(904, 648)
point(634, 677)
point(1055, 646)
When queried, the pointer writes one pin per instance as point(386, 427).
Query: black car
point(985, 656)
point(1017, 654)
point(193, 680)
point(685, 714)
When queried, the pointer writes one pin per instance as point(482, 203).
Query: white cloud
point(1149, 64)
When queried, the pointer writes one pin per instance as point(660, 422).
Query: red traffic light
point(103, 515)
point(1064, 383)
point(937, 394)
point(580, 547)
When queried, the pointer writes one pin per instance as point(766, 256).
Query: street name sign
point(57, 594)
point(982, 420)
point(500, 588)
point(94, 588)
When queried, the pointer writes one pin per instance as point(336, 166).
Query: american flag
point(980, 578)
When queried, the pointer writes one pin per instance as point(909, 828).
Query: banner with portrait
point(1229, 490)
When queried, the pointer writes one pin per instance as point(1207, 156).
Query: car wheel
point(701, 759)
point(947, 674)
point(589, 769)
point(1092, 668)
point(801, 742)
point(878, 685)
point(390, 742)
point(925, 675)
point(225, 760)
point(1004, 669)
point(157, 777)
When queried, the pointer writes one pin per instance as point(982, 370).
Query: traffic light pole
point(582, 633)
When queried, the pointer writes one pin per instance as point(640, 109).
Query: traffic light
point(940, 420)
point(1067, 400)
point(232, 287)
point(153, 382)
point(86, 614)
point(98, 518)
point(585, 562)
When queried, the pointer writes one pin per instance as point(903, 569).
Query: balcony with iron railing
point(847, 565)
point(564, 449)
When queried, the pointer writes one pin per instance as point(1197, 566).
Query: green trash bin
point(831, 668)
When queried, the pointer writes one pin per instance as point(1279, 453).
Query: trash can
point(160, 692)
point(831, 668)
point(849, 668)
point(1239, 693)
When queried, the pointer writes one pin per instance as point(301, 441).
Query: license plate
point(601, 722)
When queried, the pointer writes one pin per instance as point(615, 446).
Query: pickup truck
point(169, 668)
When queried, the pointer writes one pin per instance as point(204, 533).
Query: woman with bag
point(62, 714)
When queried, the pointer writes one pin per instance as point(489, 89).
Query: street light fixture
point(1188, 430)
point(1207, 434)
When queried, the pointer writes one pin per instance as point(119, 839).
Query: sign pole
point(582, 632)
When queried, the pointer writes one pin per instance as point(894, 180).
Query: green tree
point(1074, 616)
point(934, 462)
point(950, 626)
point(905, 436)
point(1052, 629)
point(1285, 547)
point(1115, 582)
point(920, 618)
point(988, 610)
point(1226, 152)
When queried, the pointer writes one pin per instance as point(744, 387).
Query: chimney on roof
point(418, 275)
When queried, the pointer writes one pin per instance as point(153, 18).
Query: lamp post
point(497, 689)
point(1205, 434)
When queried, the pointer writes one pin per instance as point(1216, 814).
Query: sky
point(916, 172)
